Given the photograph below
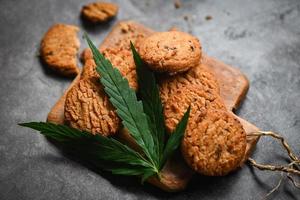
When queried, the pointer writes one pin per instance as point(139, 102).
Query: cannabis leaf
point(175, 138)
point(128, 108)
point(95, 146)
point(143, 119)
point(149, 93)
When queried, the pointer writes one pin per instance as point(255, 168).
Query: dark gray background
point(261, 37)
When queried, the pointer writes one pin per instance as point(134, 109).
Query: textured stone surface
point(262, 38)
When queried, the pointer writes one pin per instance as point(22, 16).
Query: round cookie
point(59, 49)
point(87, 107)
point(99, 11)
point(198, 97)
point(171, 51)
point(216, 145)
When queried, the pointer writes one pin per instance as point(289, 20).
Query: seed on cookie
point(216, 145)
point(59, 49)
point(99, 11)
point(200, 99)
point(171, 52)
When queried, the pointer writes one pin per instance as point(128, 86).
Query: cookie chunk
point(199, 75)
point(99, 11)
point(88, 108)
point(216, 145)
point(200, 99)
point(59, 49)
point(171, 52)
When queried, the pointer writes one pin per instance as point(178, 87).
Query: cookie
point(171, 52)
point(200, 99)
point(87, 107)
point(94, 112)
point(99, 11)
point(199, 75)
point(59, 49)
point(216, 145)
point(121, 59)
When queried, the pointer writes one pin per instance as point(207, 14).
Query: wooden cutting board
point(233, 87)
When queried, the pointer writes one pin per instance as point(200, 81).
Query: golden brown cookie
point(215, 145)
point(94, 112)
point(99, 11)
point(200, 99)
point(198, 75)
point(88, 108)
point(171, 51)
point(59, 49)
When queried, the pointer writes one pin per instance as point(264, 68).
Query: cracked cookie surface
point(216, 145)
point(88, 108)
point(200, 99)
point(171, 52)
point(198, 75)
point(59, 49)
point(94, 112)
point(99, 11)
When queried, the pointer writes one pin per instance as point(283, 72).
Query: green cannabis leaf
point(94, 146)
point(124, 99)
point(175, 138)
point(143, 119)
point(149, 93)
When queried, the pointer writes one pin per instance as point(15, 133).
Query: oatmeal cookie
point(87, 107)
point(171, 52)
point(99, 11)
point(59, 49)
point(200, 99)
point(215, 145)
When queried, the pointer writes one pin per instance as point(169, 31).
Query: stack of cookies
point(214, 143)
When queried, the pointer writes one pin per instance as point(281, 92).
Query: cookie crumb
point(125, 28)
point(173, 28)
point(208, 17)
point(177, 4)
